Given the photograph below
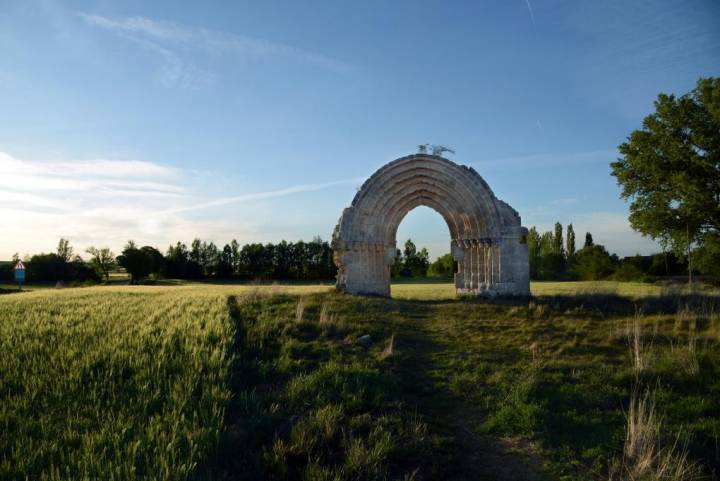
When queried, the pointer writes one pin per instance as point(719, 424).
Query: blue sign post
point(20, 274)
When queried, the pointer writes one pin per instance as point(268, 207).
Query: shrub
point(593, 263)
point(629, 272)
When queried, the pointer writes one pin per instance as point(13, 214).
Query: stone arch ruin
point(487, 239)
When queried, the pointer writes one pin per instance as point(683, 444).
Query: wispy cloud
point(106, 202)
point(625, 47)
point(112, 177)
point(173, 43)
point(260, 195)
point(530, 11)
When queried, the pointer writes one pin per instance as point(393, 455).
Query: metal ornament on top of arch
point(486, 233)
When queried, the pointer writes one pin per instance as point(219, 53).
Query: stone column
point(472, 256)
point(481, 267)
point(459, 256)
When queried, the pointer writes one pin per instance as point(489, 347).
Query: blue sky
point(163, 121)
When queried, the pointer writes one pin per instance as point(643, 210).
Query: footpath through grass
point(244, 383)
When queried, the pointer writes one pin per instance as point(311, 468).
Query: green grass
point(251, 382)
point(446, 290)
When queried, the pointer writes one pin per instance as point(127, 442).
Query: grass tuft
point(644, 457)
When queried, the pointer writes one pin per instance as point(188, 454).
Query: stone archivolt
point(486, 234)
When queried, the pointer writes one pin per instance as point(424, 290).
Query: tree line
point(308, 261)
point(553, 256)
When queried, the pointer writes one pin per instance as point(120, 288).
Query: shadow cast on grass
point(613, 304)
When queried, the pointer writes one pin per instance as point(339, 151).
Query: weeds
point(300, 309)
point(389, 348)
point(639, 348)
point(644, 456)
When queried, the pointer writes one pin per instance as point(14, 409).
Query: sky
point(164, 121)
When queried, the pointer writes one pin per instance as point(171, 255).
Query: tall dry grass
point(648, 454)
point(640, 348)
point(300, 309)
point(645, 457)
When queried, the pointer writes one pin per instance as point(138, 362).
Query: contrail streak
point(532, 15)
point(260, 195)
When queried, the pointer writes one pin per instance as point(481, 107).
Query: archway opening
point(423, 259)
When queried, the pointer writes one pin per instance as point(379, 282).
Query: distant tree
point(210, 258)
point(588, 240)
point(155, 259)
point(64, 250)
point(533, 243)
point(319, 260)
point(225, 267)
point(47, 268)
point(666, 264)
point(409, 254)
point(252, 260)
point(570, 241)
point(558, 240)
point(444, 266)
point(53, 268)
point(397, 266)
point(7, 272)
point(552, 263)
point(329, 267)
point(415, 263)
point(196, 254)
point(409, 250)
point(423, 148)
point(422, 263)
point(283, 261)
point(298, 261)
point(235, 255)
point(178, 264)
point(80, 271)
point(135, 261)
point(547, 244)
point(102, 260)
point(670, 170)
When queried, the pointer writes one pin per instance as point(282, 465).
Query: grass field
point(229, 382)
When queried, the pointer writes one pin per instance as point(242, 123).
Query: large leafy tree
point(670, 169)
